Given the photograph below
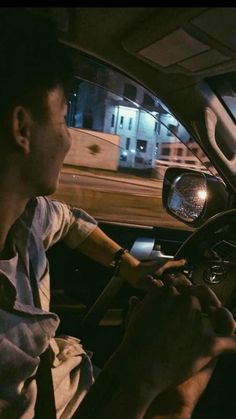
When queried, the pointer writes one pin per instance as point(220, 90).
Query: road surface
point(108, 184)
point(126, 200)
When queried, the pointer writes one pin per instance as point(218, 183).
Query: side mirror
point(192, 196)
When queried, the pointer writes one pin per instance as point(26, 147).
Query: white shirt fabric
point(26, 331)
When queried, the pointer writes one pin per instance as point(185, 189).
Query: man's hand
point(98, 246)
point(171, 337)
point(144, 274)
point(169, 343)
point(179, 402)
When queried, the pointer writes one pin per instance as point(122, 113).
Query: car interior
point(176, 65)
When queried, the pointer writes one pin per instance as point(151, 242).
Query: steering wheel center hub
point(214, 275)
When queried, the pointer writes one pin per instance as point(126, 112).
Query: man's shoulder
point(39, 211)
point(44, 203)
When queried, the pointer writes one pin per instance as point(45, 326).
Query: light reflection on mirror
point(202, 194)
point(187, 196)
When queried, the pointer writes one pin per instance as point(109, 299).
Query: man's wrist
point(127, 266)
point(117, 259)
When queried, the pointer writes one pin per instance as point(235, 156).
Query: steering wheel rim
point(217, 274)
point(208, 229)
point(215, 223)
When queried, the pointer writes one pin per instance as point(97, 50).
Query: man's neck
point(11, 208)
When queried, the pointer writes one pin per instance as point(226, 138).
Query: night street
point(119, 199)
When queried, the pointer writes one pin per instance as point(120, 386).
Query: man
point(35, 77)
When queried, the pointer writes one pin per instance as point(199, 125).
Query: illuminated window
point(141, 146)
point(113, 120)
point(165, 151)
point(130, 123)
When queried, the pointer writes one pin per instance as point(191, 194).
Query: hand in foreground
point(171, 337)
point(180, 401)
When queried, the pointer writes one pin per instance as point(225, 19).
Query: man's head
point(32, 61)
point(35, 77)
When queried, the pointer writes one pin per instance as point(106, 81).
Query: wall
point(93, 149)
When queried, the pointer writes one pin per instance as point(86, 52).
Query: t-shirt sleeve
point(58, 221)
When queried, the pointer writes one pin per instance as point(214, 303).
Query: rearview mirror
point(193, 196)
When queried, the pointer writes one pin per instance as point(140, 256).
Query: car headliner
point(117, 35)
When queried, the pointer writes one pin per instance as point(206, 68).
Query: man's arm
point(101, 248)
point(179, 402)
point(114, 395)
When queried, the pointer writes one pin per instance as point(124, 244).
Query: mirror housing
point(193, 197)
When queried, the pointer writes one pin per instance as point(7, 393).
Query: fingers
point(222, 320)
point(148, 272)
point(206, 296)
point(209, 368)
point(171, 264)
point(152, 283)
point(224, 345)
point(156, 279)
point(178, 280)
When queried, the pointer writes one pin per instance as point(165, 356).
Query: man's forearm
point(170, 408)
point(100, 247)
point(114, 395)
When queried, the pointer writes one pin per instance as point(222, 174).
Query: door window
point(123, 140)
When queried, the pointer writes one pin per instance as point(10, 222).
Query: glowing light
point(202, 194)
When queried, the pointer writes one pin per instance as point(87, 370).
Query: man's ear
point(21, 128)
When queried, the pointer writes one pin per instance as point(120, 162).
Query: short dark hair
point(32, 61)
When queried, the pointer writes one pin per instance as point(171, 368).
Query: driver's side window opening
point(120, 130)
point(153, 132)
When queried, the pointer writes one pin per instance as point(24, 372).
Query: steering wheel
point(211, 256)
